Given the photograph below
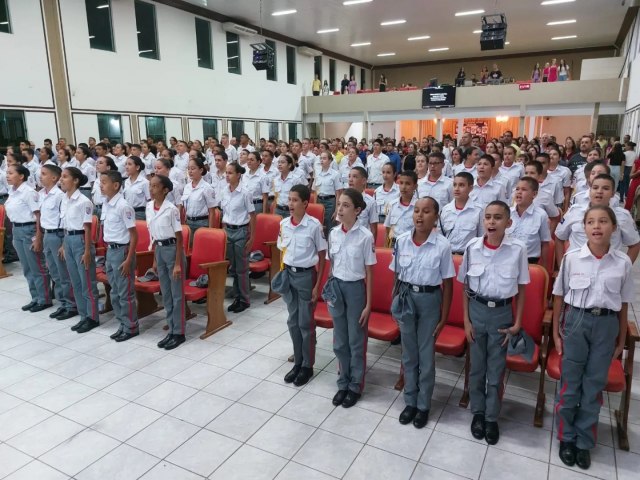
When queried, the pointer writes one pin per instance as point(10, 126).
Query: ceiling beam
point(629, 17)
point(218, 17)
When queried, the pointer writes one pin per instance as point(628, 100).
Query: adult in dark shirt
point(580, 158)
point(460, 77)
point(616, 160)
point(409, 161)
point(393, 155)
point(344, 85)
point(495, 76)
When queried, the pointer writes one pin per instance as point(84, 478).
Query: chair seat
point(615, 381)
point(321, 316)
point(517, 363)
point(148, 287)
point(193, 293)
point(383, 327)
point(261, 266)
point(451, 341)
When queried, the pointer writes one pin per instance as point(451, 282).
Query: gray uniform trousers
point(194, 225)
point(302, 326)
point(239, 262)
point(33, 264)
point(141, 214)
point(349, 338)
point(588, 346)
point(172, 288)
point(488, 358)
point(58, 270)
point(83, 277)
point(329, 205)
point(418, 348)
point(123, 294)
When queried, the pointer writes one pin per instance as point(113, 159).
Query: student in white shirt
point(219, 174)
point(461, 219)
point(328, 188)
point(591, 171)
point(103, 164)
point(120, 158)
point(283, 183)
point(148, 158)
point(510, 168)
point(136, 187)
point(400, 216)
point(86, 166)
point(239, 221)
point(486, 189)
point(257, 183)
point(544, 199)
point(368, 218)
point(163, 221)
point(560, 173)
point(198, 199)
point(244, 144)
point(552, 184)
point(351, 253)
point(164, 167)
point(230, 150)
point(469, 158)
point(375, 161)
point(387, 192)
point(181, 159)
point(435, 184)
point(347, 164)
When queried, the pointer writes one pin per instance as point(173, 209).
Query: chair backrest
point(2, 215)
point(314, 198)
point(217, 218)
point(95, 230)
point(209, 245)
point(267, 230)
point(381, 237)
point(455, 312)
point(535, 302)
point(325, 275)
point(551, 258)
point(316, 210)
point(186, 233)
point(144, 237)
point(382, 281)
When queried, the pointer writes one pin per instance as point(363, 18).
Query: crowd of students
point(498, 208)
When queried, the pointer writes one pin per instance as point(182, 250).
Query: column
point(594, 117)
point(460, 128)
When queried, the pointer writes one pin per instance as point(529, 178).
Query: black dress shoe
point(124, 336)
point(29, 305)
point(67, 314)
point(116, 334)
point(6, 260)
point(59, 311)
point(350, 399)
point(175, 342)
point(567, 453)
point(303, 376)
point(478, 428)
point(293, 373)
point(421, 419)
point(79, 324)
point(583, 458)
point(40, 306)
point(233, 306)
point(338, 398)
point(240, 307)
point(408, 414)
point(164, 341)
point(492, 434)
point(88, 324)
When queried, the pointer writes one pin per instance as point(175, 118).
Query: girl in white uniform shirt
point(282, 184)
point(163, 167)
point(181, 159)
point(400, 216)
point(103, 164)
point(422, 168)
point(120, 158)
point(352, 160)
point(388, 191)
point(328, 188)
point(560, 172)
point(83, 156)
point(198, 199)
point(78, 248)
point(257, 183)
point(65, 160)
point(352, 253)
point(435, 184)
point(23, 209)
point(163, 221)
point(239, 220)
point(219, 175)
point(148, 158)
point(136, 186)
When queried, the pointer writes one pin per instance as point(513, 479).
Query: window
point(362, 77)
point(294, 131)
point(203, 43)
point(146, 27)
point(237, 128)
point(233, 53)
point(291, 65)
point(317, 66)
point(210, 128)
point(5, 25)
point(156, 128)
point(99, 23)
point(13, 129)
point(110, 126)
point(272, 73)
point(332, 75)
point(352, 71)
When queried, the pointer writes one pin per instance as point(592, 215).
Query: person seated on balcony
point(495, 76)
point(474, 80)
point(460, 77)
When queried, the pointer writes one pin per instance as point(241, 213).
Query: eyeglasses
point(435, 163)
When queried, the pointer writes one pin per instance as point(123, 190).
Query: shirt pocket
point(405, 259)
point(506, 278)
point(613, 285)
point(579, 282)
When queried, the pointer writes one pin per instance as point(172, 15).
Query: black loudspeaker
point(263, 56)
point(494, 32)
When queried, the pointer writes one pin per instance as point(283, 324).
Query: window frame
point(231, 69)
point(205, 134)
point(204, 23)
point(292, 73)
point(102, 117)
point(272, 73)
point(5, 27)
point(93, 43)
point(20, 117)
point(332, 75)
point(317, 67)
point(145, 53)
point(164, 128)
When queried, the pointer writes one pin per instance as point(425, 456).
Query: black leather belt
point(114, 246)
point(75, 232)
point(298, 269)
point(140, 209)
point(281, 207)
point(421, 288)
point(597, 311)
point(3, 196)
point(54, 230)
point(24, 224)
point(197, 219)
point(491, 303)
point(236, 227)
point(164, 243)
point(257, 201)
point(86, 188)
point(326, 197)
point(457, 253)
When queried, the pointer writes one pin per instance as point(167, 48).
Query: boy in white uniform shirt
point(328, 188)
point(347, 164)
point(486, 189)
point(461, 219)
point(400, 216)
point(509, 167)
point(181, 160)
point(368, 218)
point(375, 161)
point(543, 199)
point(436, 185)
point(551, 184)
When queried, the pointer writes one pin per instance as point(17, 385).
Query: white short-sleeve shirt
point(374, 167)
point(22, 204)
point(301, 243)
point(198, 199)
point(483, 195)
point(531, 228)
point(400, 217)
point(563, 174)
point(163, 223)
point(76, 211)
point(370, 214)
point(282, 187)
point(351, 252)
point(256, 183)
point(384, 197)
point(441, 190)
point(461, 226)
point(237, 206)
point(50, 206)
point(117, 218)
point(136, 192)
point(327, 182)
point(426, 264)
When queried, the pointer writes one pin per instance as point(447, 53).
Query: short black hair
point(409, 174)
point(165, 181)
point(501, 204)
point(303, 192)
point(467, 177)
point(533, 183)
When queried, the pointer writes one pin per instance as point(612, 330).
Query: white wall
point(85, 125)
point(25, 79)
point(41, 125)
point(173, 128)
point(599, 68)
point(196, 131)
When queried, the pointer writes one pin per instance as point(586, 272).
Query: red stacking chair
point(550, 265)
point(3, 271)
point(382, 326)
point(321, 313)
point(381, 237)
point(316, 210)
point(265, 239)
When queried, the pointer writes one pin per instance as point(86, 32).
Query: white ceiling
point(598, 23)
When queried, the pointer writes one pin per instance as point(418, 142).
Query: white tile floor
point(84, 407)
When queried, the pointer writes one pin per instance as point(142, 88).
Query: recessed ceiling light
point(283, 12)
point(556, 2)
point(361, 44)
point(355, 2)
point(477, 31)
point(441, 49)
point(328, 30)
point(565, 37)
point(469, 12)
point(423, 37)
point(561, 22)
point(392, 22)
point(390, 54)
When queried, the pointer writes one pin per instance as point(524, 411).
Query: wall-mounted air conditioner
point(238, 29)
point(309, 52)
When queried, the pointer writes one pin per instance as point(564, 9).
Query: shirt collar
point(115, 199)
point(75, 195)
point(585, 252)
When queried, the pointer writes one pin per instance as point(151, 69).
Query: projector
point(494, 32)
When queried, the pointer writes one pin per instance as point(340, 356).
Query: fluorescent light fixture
point(144, 51)
point(390, 54)
point(561, 22)
point(355, 2)
point(392, 22)
point(423, 37)
point(106, 5)
point(441, 49)
point(556, 2)
point(283, 12)
point(328, 30)
point(361, 44)
point(565, 37)
point(477, 31)
point(469, 12)
point(231, 58)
